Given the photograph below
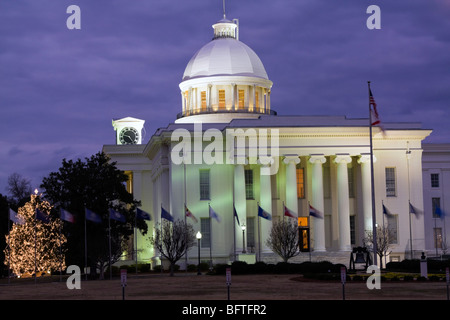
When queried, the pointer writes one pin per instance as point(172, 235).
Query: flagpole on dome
point(374, 229)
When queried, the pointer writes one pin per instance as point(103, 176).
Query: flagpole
point(234, 221)
point(408, 157)
point(210, 236)
point(109, 225)
point(85, 246)
point(9, 244)
point(374, 229)
point(135, 239)
point(185, 206)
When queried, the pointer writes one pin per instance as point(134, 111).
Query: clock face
point(129, 136)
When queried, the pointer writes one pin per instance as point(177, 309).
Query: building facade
point(229, 153)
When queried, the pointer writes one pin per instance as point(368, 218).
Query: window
point(392, 222)
point(241, 99)
point(435, 180)
point(352, 230)
point(390, 182)
point(437, 238)
point(300, 183)
point(436, 207)
point(203, 99)
point(250, 233)
point(257, 100)
point(221, 99)
point(205, 242)
point(249, 184)
point(274, 186)
point(204, 184)
point(351, 185)
point(326, 182)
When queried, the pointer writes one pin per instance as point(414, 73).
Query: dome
point(225, 55)
point(224, 80)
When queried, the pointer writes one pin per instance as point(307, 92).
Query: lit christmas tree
point(35, 245)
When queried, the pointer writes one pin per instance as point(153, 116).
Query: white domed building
point(227, 153)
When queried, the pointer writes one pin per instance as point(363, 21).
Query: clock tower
point(128, 130)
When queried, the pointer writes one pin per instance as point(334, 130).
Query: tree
point(19, 189)
point(35, 246)
point(98, 185)
point(384, 241)
point(173, 240)
point(283, 239)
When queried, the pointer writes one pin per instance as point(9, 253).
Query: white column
point(233, 97)
point(240, 203)
point(317, 201)
point(343, 202)
point(208, 98)
point(265, 201)
point(291, 182)
point(366, 189)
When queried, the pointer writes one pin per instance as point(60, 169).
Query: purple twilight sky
point(60, 88)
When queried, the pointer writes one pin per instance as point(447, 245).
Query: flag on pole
point(115, 215)
point(386, 211)
point(264, 214)
point(166, 215)
point(14, 217)
point(412, 209)
point(375, 117)
point(315, 213)
point(190, 214)
point(438, 212)
point(42, 216)
point(213, 214)
point(236, 215)
point(92, 216)
point(289, 213)
point(143, 215)
point(67, 216)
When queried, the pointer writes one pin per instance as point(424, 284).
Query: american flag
point(373, 110)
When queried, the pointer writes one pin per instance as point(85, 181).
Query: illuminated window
point(300, 183)
point(241, 99)
point(203, 99)
point(221, 99)
point(257, 99)
point(437, 238)
point(129, 183)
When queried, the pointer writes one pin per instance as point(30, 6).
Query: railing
point(197, 112)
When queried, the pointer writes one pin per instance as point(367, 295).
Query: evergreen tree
point(35, 246)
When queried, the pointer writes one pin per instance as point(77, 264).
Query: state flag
point(92, 216)
point(143, 215)
point(67, 216)
point(236, 215)
point(14, 217)
point(289, 213)
point(115, 215)
point(213, 214)
point(264, 214)
point(315, 213)
point(190, 215)
point(42, 216)
point(166, 215)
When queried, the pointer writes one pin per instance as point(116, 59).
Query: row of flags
point(69, 217)
point(141, 214)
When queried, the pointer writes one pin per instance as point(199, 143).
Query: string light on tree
point(34, 245)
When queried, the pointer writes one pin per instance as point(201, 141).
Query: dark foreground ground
point(189, 286)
